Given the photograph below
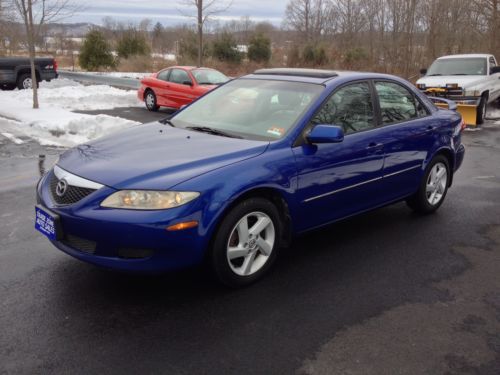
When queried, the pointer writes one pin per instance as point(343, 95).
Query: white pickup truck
point(472, 81)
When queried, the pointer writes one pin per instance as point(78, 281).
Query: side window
point(397, 103)
point(163, 75)
point(350, 107)
point(492, 62)
point(179, 76)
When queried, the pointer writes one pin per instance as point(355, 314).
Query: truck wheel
point(481, 110)
point(24, 82)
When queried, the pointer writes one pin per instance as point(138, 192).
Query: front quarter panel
point(275, 169)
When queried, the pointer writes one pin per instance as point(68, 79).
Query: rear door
point(339, 179)
point(408, 133)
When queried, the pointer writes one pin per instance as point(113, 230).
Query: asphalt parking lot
point(389, 292)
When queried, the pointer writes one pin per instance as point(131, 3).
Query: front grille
point(81, 244)
point(72, 195)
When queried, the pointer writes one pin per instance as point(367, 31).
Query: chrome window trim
point(74, 180)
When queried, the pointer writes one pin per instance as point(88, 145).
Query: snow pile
point(54, 123)
point(73, 96)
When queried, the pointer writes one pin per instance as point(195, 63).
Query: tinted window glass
point(253, 109)
point(458, 66)
point(397, 103)
point(179, 76)
point(350, 107)
point(209, 77)
point(163, 75)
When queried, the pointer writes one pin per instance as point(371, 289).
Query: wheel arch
point(146, 90)
point(22, 71)
point(448, 154)
point(274, 195)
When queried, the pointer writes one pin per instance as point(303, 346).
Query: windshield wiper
point(434, 75)
point(206, 129)
point(166, 121)
point(459, 74)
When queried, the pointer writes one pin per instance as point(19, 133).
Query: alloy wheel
point(251, 243)
point(436, 183)
point(27, 83)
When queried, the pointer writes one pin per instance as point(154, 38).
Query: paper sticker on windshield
point(277, 132)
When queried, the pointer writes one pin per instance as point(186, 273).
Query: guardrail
point(127, 83)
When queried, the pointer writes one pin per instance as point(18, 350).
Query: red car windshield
point(209, 77)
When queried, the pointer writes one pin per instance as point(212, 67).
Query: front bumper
point(128, 240)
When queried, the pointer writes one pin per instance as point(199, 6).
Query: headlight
point(421, 86)
point(148, 200)
point(472, 93)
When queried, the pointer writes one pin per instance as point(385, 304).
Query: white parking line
point(14, 139)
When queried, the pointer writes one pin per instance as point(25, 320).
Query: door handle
point(375, 148)
point(430, 128)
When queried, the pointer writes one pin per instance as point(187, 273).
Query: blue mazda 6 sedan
point(233, 177)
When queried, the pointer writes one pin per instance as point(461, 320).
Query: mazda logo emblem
point(61, 188)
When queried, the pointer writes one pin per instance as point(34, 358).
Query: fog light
point(182, 226)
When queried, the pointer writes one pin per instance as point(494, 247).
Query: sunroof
point(313, 73)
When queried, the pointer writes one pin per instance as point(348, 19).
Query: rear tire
point(247, 243)
point(150, 101)
point(433, 187)
point(481, 110)
point(24, 82)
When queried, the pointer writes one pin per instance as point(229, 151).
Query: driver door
point(339, 179)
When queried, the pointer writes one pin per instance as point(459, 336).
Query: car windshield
point(250, 108)
point(209, 77)
point(451, 67)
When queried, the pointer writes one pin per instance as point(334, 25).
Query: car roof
point(317, 76)
point(472, 55)
point(188, 67)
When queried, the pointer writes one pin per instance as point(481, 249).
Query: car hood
point(155, 156)
point(441, 81)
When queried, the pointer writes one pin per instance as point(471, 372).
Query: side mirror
point(325, 134)
point(423, 71)
point(187, 83)
point(495, 70)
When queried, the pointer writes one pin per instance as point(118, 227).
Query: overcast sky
point(168, 11)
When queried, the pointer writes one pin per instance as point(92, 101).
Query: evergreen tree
point(259, 49)
point(95, 52)
point(132, 43)
point(226, 49)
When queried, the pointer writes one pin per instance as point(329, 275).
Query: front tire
point(433, 187)
point(150, 100)
point(247, 243)
point(481, 110)
point(25, 82)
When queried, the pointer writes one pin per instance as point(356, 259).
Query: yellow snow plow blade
point(468, 112)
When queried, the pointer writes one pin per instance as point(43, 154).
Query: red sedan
point(177, 86)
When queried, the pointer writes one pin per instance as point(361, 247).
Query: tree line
point(395, 36)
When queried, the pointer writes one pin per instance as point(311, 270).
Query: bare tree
point(205, 9)
point(34, 14)
point(309, 18)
